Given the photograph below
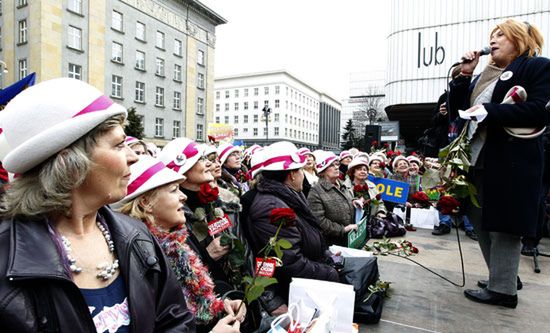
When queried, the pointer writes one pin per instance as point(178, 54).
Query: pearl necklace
point(106, 270)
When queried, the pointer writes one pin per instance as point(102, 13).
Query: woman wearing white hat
point(234, 172)
point(187, 158)
point(75, 265)
point(280, 187)
point(331, 201)
point(358, 172)
point(154, 197)
point(310, 173)
point(138, 146)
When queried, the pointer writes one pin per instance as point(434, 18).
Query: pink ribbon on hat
point(325, 162)
point(144, 177)
point(189, 151)
point(287, 159)
point(101, 103)
point(226, 149)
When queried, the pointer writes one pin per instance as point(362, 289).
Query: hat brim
point(229, 152)
point(161, 178)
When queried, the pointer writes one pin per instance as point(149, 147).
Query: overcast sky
point(319, 41)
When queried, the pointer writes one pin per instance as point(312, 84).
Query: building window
point(255, 105)
point(276, 131)
point(277, 103)
point(217, 120)
point(177, 73)
point(23, 29)
point(277, 90)
point(227, 94)
point(245, 106)
point(266, 90)
point(159, 96)
point(160, 41)
point(236, 93)
point(256, 90)
point(75, 72)
point(226, 107)
point(177, 100)
point(200, 57)
point(178, 47)
point(217, 95)
point(266, 103)
point(236, 132)
point(245, 119)
point(245, 129)
point(236, 119)
point(255, 118)
point(200, 131)
point(140, 60)
point(159, 127)
point(255, 132)
point(217, 108)
point(116, 86)
point(176, 129)
point(276, 117)
point(226, 119)
point(140, 92)
point(160, 67)
point(21, 3)
point(75, 6)
point(245, 92)
point(116, 52)
point(200, 105)
point(200, 80)
point(22, 68)
point(75, 38)
point(236, 106)
point(140, 31)
point(116, 23)
point(265, 131)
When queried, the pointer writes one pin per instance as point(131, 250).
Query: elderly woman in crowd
point(154, 197)
point(331, 201)
point(234, 173)
point(505, 143)
point(377, 166)
point(358, 172)
point(280, 187)
point(310, 173)
point(138, 146)
point(79, 267)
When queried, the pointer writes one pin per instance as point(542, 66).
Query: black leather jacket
point(37, 295)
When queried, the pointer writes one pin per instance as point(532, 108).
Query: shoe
point(486, 296)
point(472, 234)
point(528, 251)
point(484, 283)
point(410, 227)
point(441, 229)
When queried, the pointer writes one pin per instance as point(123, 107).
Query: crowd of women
point(102, 233)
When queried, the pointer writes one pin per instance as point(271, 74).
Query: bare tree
point(368, 106)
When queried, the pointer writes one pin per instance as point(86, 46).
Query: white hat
point(209, 149)
point(48, 117)
point(152, 149)
point(256, 162)
point(279, 156)
point(397, 159)
point(130, 140)
point(324, 159)
point(358, 161)
point(413, 158)
point(146, 174)
point(361, 154)
point(225, 150)
point(305, 151)
point(181, 154)
point(344, 154)
point(382, 156)
point(376, 157)
point(251, 150)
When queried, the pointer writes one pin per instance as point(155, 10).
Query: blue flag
point(391, 190)
point(10, 92)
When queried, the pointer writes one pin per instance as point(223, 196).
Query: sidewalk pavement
point(423, 302)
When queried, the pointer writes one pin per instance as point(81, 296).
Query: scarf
point(196, 283)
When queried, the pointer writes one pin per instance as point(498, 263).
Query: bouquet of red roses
point(361, 191)
point(208, 194)
point(420, 200)
point(448, 205)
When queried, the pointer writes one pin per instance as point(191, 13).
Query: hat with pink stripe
point(181, 154)
point(47, 117)
point(147, 174)
point(324, 159)
point(279, 156)
point(251, 150)
point(305, 151)
point(344, 154)
point(225, 150)
point(130, 140)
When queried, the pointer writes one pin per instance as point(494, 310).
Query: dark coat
point(513, 167)
point(32, 270)
point(307, 257)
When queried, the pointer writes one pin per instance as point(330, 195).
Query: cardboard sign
point(218, 225)
point(268, 267)
point(391, 190)
point(358, 238)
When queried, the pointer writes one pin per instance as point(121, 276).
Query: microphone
point(484, 51)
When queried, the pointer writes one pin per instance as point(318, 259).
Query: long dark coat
point(513, 167)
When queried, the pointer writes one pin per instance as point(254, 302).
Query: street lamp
point(266, 110)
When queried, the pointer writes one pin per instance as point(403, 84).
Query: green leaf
point(253, 293)
point(283, 243)
point(278, 251)
point(265, 281)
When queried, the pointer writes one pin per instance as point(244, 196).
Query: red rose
point(386, 145)
point(382, 165)
point(420, 197)
point(374, 143)
point(448, 205)
point(285, 216)
point(379, 196)
point(207, 194)
point(358, 188)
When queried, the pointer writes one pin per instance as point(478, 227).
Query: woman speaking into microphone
point(509, 208)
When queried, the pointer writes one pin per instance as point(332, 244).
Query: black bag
point(361, 272)
point(390, 226)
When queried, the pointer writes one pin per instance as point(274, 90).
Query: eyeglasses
point(335, 164)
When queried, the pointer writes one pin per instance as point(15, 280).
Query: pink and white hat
point(251, 150)
point(148, 173)
point(397, 159)
point(324, 159)
point(279, 156)
point(48, 117)
point(344, 154)
point(305, 151)
point(382, 156)
point(225, 150)
point(209, 149)
point(358, 161)
point(413, 158)
point(376, 157)
point(181, 154)
point(256, 162)
point(130, 140)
